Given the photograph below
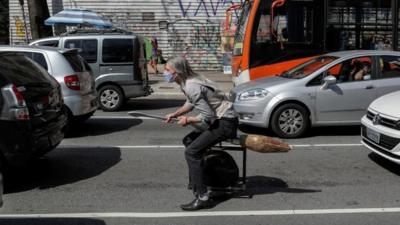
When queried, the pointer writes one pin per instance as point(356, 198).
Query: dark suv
point(32, 117)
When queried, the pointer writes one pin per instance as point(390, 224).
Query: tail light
point(18, 108)
point(73, 82)
point(18, 96)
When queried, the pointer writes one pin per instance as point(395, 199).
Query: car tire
point(290, 121)
point(110, 98)
point(69, 116)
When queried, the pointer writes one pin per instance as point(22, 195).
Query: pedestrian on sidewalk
point(154, 55)
point(217, 117)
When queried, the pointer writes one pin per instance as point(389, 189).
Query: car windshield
point(307, 68)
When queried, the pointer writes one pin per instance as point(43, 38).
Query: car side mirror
point(329, 80)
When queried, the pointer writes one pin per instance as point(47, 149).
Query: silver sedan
point(332, 89)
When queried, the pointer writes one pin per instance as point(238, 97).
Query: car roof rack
point(87, 31)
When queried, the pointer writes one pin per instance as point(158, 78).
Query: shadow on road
point(261, 185)
point(60, 167)
point(385, 163)
point(334, 131)
point(151, 104)
point(313, 132)
point(51, 221)
point(95, 127)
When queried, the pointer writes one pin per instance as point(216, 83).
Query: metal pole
point(21, 2)
point(395, 21)
point(325, 18)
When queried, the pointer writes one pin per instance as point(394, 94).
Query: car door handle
point(369, 87)
point(110, 69)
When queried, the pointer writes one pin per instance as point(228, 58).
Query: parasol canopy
point(78, 17)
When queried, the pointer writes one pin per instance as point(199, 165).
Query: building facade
point(191, 28)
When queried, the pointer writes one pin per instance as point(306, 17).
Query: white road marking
point(325, 145)
point(182, 146)
point(205, 213)
point(119, 117)
point(168, 93)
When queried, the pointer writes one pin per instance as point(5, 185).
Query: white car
point(380, 128)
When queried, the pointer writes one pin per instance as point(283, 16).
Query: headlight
point(253, 94)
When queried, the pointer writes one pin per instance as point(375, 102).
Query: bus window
point(263, 34)
point(398, 28)
point(285, 32)
point(241, 29)
point(359, 25)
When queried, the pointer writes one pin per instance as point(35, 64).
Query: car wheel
point(110, 98)
point(290, 121)
point(69, 116)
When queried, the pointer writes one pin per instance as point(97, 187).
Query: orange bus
point(273, 36)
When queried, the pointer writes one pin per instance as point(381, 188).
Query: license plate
point(373, 135)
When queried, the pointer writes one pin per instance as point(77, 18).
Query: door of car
point(345, 101)
point(388, 74)
point(117, 59)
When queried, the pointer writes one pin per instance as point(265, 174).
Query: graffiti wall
point(191, 28)
point(17, 31)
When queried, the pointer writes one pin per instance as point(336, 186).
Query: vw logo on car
point(377, 119)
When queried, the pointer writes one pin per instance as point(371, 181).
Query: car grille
point(384, 121)
point(385, 141)
point(379, 149)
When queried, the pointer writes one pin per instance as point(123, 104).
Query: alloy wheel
point(291, 121)
point(109, 98)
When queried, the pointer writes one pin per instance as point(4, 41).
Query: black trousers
point(197, 143)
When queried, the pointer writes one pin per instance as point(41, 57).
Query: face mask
point(168, 77)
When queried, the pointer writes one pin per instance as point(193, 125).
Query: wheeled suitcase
point(219, 169)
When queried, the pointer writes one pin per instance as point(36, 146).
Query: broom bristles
point(263, 144)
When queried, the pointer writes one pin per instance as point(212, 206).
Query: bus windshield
point(241, 28)
point(307, 68)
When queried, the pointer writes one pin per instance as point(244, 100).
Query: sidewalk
point(164, 90)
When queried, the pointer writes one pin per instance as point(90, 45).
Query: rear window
point(75, 61)
point(21, 70)
point(38, 58)
point(118, 50)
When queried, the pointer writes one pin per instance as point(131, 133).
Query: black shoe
point(198, 204)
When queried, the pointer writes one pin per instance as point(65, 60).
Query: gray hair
point(182, 68)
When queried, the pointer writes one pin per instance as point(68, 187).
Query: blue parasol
point(75, 17)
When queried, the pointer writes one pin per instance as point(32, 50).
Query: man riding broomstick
point(217, 121)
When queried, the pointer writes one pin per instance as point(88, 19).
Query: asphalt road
point(114, 169)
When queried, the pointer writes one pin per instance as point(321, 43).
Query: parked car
point(117, 59)
point(73, 74)
point(332, 89)
point(32, 116)
point(380, 129)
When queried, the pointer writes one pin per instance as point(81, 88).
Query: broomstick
point(257, 143)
